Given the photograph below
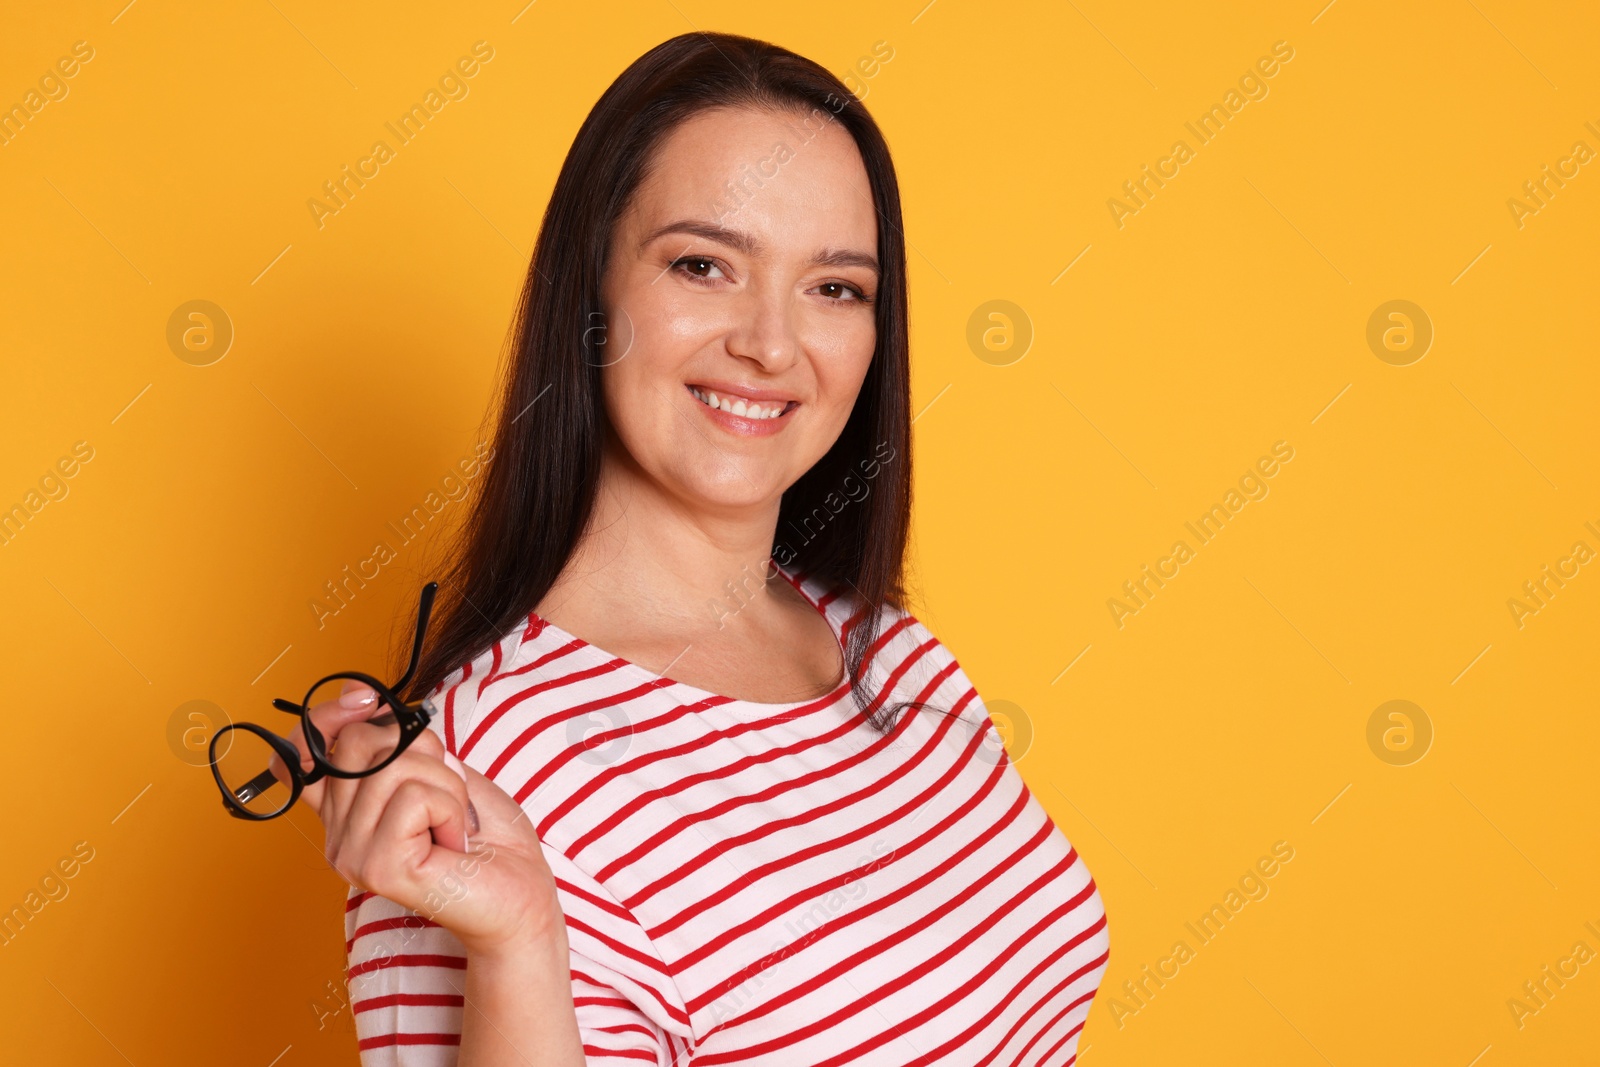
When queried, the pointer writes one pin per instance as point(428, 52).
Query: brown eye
point(838, 290)
point(693, 265)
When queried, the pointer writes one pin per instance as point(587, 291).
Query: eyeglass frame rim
point(411, 718)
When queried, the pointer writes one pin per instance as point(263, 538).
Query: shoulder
point(903, 656)
point(567, 730)
point(454, 701)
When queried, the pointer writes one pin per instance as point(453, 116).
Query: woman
point(798, 841)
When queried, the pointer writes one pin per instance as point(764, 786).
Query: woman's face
point(745, 267)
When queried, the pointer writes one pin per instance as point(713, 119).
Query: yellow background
point(1229, 313)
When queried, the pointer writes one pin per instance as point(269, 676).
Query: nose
point(764, 327)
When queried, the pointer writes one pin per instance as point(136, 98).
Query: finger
point(363, 748)
point(279, 769)
point(367, 743)
point(497, 812)
point(356, 702)
point(377, 791)
point(361, 745)
point(393, 858)
point(358, 746)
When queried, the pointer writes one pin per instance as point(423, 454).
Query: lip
point(738, 423)
point(749, 392)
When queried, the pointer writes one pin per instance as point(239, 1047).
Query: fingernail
point(472, 817)
point(359, 697)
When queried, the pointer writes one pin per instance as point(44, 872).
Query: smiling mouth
point(759, 410)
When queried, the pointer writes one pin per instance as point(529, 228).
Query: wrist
point(528, 943)
point(528, 963)
point(520, 990)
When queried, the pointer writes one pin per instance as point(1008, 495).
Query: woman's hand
point(430, 833)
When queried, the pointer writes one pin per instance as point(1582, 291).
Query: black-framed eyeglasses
point(259, 772)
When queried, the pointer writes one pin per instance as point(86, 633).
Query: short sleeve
point(628, 1005)
point(407, 974)
point(406, 980)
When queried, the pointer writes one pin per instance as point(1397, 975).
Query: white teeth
point(737, 406)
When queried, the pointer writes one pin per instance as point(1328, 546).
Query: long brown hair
point(535, 499)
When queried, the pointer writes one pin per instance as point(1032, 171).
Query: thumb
point(489, 808)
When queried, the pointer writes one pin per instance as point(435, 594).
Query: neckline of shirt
point(803, 584)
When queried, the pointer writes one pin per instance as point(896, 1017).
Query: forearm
point(518, 1010)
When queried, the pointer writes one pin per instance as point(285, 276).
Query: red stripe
point(671, 1009)
point(421, 1000)
point(621, 769)
point(379, 925)
point(385, 1040)
point(450, 708)
point(616, 910)
point(641, 958)
point(613, 1000)
point(624, 1028)
point(816, 813)
point(839, 924)
point(458, 963)
point(624, 1054)
point(1057, 1017)
point(1051, 1051)
point(637, 764)
point(832, 845)
point(687, 821)
point(495, 657)
point(521, 695)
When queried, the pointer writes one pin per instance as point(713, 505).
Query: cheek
point(840, 353)
point(662, 325)
point(639, 380)
point(629, 387)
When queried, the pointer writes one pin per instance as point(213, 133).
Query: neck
point(663, 555)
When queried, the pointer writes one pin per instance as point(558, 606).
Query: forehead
point(795, 182)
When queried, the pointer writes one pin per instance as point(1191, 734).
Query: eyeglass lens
point(370, 745)
point(252, 771)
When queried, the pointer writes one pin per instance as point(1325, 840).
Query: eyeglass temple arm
point(424, 609)
point(255, 786)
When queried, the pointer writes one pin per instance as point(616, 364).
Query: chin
point(729, 489)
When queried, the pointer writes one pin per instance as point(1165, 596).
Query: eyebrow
point(744, 242)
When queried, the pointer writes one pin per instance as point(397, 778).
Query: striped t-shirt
point(751, 883)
